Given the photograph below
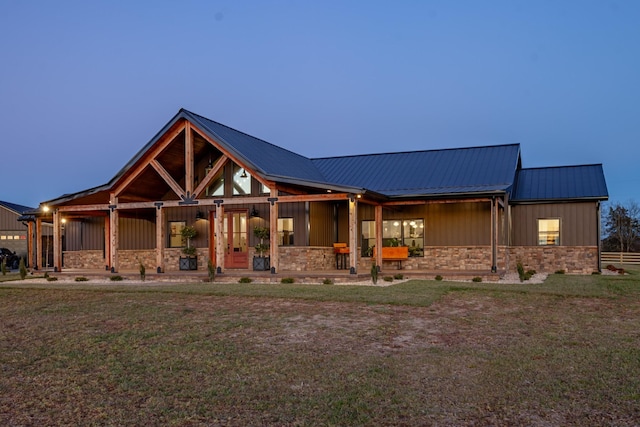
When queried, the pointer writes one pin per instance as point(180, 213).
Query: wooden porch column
point(353, 235)
point(273, 233)
point(38, 245)
point(30, 244)
point(218, 227)
point(494, 234)
point(160, 238)
point(57, 242)
point(378, 252)
point(107, 245)
point(113, 239)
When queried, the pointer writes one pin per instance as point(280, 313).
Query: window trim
point(558, 241)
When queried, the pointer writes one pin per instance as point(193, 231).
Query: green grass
point(566, 352)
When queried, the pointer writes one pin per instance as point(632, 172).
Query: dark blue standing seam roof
point(14, 207)
point(564, 182)
point(423, 173)
point(265, 157)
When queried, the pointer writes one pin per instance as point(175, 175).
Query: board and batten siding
point(578, 223)
point(84, 234)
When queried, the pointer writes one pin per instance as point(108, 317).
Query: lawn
point(566, 352)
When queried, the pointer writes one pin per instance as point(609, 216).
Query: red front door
point(235, 239)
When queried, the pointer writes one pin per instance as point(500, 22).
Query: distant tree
point(622, 227)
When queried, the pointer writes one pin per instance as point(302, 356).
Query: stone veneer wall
point(548, 259)
point(446, 258)
point(172, 258)
point(130, 259)
point(91, 260)
point(306, 258)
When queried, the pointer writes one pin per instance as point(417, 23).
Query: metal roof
point(425, 173)
point(563, 182)
point(19, 209)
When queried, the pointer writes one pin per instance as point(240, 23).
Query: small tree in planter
point(190, 262)
point(261, 261)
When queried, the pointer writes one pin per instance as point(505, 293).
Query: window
point(175, 238)
point(217, 186)
point(285, 231)
point(407, 232)
point(241, 181)
point(548, 232)
point(264, 189)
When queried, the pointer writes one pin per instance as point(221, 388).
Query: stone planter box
point(261, 263)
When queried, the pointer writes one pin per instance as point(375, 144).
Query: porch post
point(30, 244)
point(57, 240)
point(38, 244)
point(494, 234)
point(113, 238)
point(378, 252)
point(353, 235)
point(218, 225)
point(160, 238)
point(273, 233)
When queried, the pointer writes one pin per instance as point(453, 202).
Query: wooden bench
point(395, 253)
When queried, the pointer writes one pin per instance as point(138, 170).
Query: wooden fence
point(620, 258)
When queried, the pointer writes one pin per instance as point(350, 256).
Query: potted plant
point(261, 262)
point(190, 262)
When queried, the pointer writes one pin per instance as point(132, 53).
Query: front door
point(235, 239)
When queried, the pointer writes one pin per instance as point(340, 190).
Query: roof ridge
point(562, 166)
point(516, 144)
point(242, 133)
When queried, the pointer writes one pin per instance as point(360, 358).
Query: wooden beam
point(38, 244)
point(114, 236)
point(219, 236)
point(434, 202)
point(30, 244)
point(167, 178)
point(151, 154)
point(188, 159)
point(208, 178)
point(353, 235)
point(83, 208)
point(379, 231)
point(107, 242)
point(273, 234)
point(160, 239)
point(57, 242)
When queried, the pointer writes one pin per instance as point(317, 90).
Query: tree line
point(621, 227)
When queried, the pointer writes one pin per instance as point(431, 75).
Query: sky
point(84, 85)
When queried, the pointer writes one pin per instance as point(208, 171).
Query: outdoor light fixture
point(254, 213)
point(199, 215)
point(243, 174)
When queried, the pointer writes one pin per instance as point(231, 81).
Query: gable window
point(285, 231)
point(175, 236)
point(241, 181)
point(548, 231)
point(264, 189)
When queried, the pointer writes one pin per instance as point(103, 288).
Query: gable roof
point(19, 209)
point(560, 183)
point(418, 174)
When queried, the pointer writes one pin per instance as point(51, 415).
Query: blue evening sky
point(85, 84)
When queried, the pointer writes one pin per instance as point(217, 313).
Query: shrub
point(531, 272)
point(621, 271)
point(3, 266)
point(81, 279)
point(595, 273)
point(143, 271)
point(477, 279)
point(374, 271)
point(116, 278)
point(51, 279)
point(287, 280)
point(327, 282)
point(559, 271)
point(388, 279)
point(398, 276)
point(520, 269)
point(438, 277)
point(23, 269)
point(245, 280)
